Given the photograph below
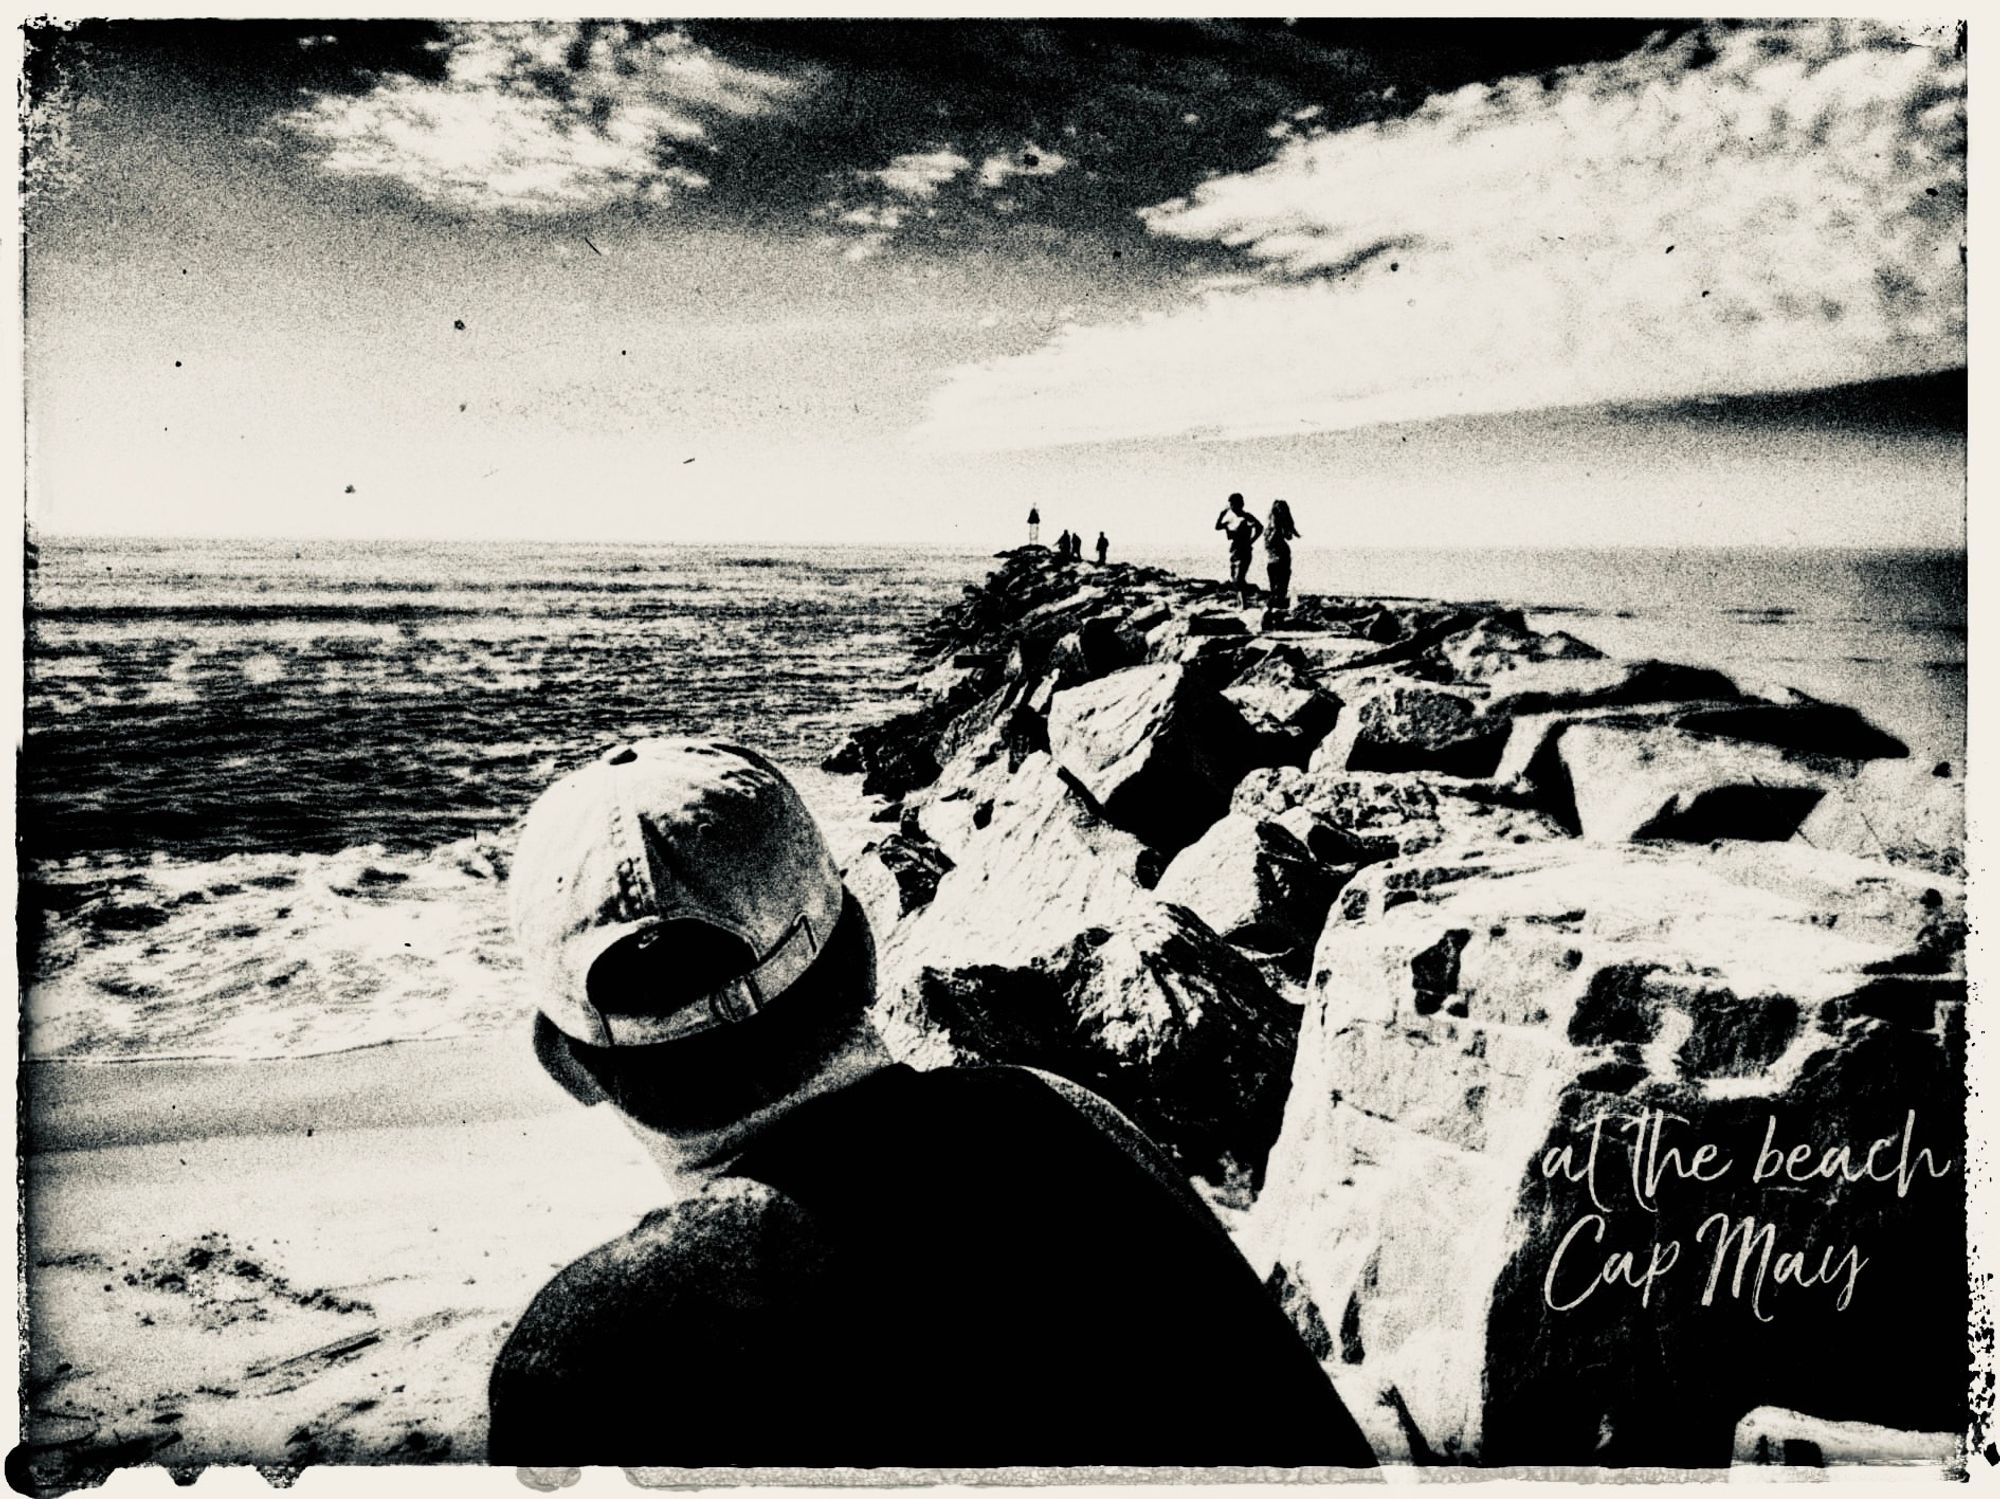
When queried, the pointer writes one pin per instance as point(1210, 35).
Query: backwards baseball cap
point(657, 832)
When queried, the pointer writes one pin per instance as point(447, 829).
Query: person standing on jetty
point(861, 1264)
point(1243, 529)
point(1279, 534)
point(1103, 548)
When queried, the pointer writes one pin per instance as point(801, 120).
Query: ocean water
point(267, 788)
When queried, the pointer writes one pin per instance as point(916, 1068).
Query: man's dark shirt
point(961, 1268)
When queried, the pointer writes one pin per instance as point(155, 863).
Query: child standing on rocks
point(1279, 535)
point(1243, 529)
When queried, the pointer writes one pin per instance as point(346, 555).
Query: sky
point(1435, 282)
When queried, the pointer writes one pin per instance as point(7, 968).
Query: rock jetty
point(1436, 947)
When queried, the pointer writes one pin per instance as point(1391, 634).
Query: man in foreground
point(861, 1264)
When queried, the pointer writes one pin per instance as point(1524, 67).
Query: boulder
point(1363, 819)
point(1800, 724)
point(1667, 783)
point(1474, 1016)
point(1770, 1437)
point(1502, 643)
point(1336, 616)
point(899, 755)
point(1158, 751)
point(1154, 1012)
point(1255, 883)
point(1094, 649)
point(915, 864)
point(1896, 810)
point(1603, 682)
point(1407, 634)
point(1392, 724)
point(1217, 624)
point(1033, 864)
point(1284, 707)
point(1320, 655)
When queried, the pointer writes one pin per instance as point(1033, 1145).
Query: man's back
point(970, 1267)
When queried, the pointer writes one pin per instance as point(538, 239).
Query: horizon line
point(38, 535)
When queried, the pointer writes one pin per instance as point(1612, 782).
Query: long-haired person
point(1279, 534)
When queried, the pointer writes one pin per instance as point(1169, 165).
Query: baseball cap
point(660, 831)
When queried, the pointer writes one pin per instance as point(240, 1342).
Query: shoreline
point(73, 1104)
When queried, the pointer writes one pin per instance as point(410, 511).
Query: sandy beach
point(281, 1263)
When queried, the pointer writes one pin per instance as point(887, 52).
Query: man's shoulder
point(736, 1246)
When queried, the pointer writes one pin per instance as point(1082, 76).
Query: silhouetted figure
point(1242, 529)
point(1034, 526)
point(1279, 535)
point(1103, 548)
point(1063, 544)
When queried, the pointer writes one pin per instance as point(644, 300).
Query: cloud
point(541, 117)
point(1744, 209)
point(910, 187)
point(918, 174)
point(1030, 161)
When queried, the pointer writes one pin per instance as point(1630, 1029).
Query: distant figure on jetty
point(1034, 526)
point(1103, 548)
point(858, 1263)
point(1243, 529)
point(1063, 544)
point(1279, 534)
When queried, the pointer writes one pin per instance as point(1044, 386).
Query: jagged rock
point(1096, 648)
point(1502, 643)
point(1363, 819)
point(1800, 724)
point(1156, 749)
point(899, 755)
point(1337, 616)
point(1034, 864)
point(1217, 624)
point(1770, 1437)
point(1472, 1013)
point(1604, 682)
point(1667, 783)
point(1154, 1012)
point(1407, 634)
point(1389, 724)
point(1320, 655)
point(1820, 748)
point(1896, 810)
point(1254, 883)
point(915, 864)
point(1284, 707)
point(1469, 729)
point(1213, 660)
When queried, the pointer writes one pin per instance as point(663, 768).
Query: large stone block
point(1362, 819)
point(1284, 706)
point(1480, 1013)
point(1156, 1013)
point(1668, 783)
point(1255, 883)
point(1158, 751)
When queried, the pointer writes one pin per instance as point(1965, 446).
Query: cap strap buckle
point(779, 970)
point(738, 999)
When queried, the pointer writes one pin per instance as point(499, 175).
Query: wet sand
point(301, 1261)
